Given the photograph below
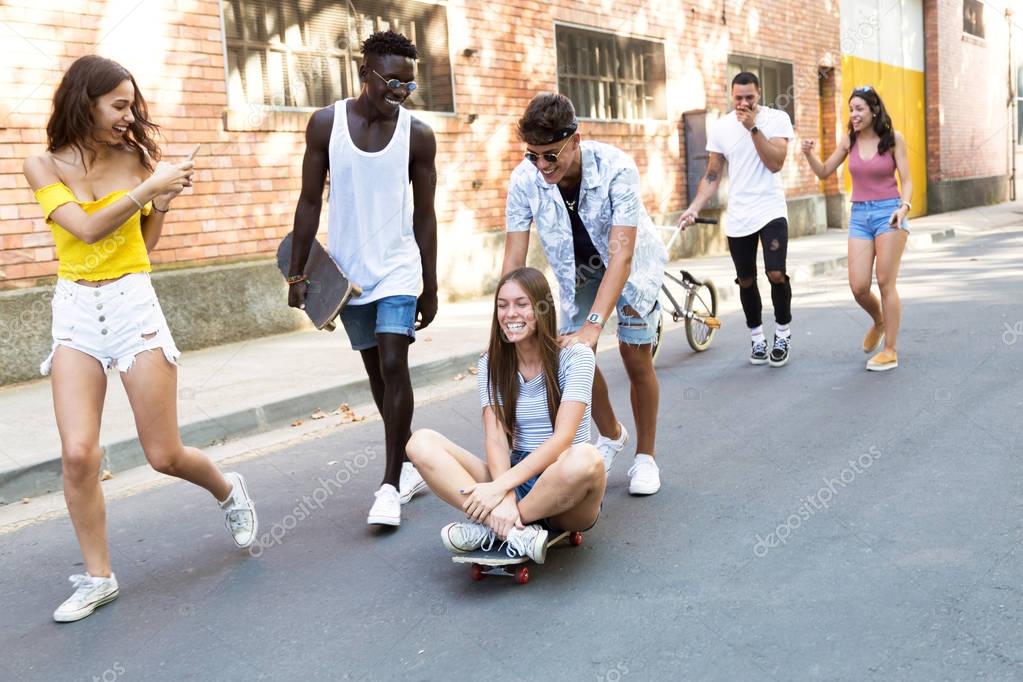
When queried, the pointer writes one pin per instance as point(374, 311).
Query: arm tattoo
point(711, 176)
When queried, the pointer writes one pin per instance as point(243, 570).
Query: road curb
point(44, 477)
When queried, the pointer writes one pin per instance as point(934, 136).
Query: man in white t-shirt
point(753, 140)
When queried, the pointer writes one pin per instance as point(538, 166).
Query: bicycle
point(701, 306)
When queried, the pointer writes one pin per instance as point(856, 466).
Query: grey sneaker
point(240, 512)
point(466, 537)
point(90, 593)
point(780, 352)
point(530, 542)
point(758, 356)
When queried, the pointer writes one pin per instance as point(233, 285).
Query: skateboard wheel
point(476, 572)
point(522, 576)
point(575, 539)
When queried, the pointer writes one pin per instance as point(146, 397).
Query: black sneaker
point(780, 352)
point(759, 354)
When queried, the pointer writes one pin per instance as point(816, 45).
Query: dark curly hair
point(882, 123)
point(388, 42)
point(71, 123)
point(546, 114)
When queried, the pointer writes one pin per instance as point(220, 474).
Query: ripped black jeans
point(775, 238)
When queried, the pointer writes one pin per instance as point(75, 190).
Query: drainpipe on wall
point(1013, 107)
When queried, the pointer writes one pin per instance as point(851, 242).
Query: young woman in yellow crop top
point(106, 201)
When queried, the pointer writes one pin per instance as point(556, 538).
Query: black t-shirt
point(585, 252)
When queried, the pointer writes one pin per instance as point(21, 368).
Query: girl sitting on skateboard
point(540, 471)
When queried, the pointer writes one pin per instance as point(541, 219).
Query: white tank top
point(369, 212)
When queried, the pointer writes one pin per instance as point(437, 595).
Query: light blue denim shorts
point(870, 218)
point(636, 331)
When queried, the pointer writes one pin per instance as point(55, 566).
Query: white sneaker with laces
point(90, 593)
point(644, 476)
point(386, 509)
point(530, 542)
point(467, 537)
point(239, 511)
point(610, 447)
point(411, 483)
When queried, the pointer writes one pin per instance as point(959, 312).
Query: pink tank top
point(873, 180)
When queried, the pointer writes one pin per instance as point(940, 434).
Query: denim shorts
point(870, 218)
point(388, 315)
point(636, 331)
point(112, 323)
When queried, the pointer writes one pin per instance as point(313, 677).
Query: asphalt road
point(815, 522)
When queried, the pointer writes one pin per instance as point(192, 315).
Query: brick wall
point(967, 90)
point(248, 177)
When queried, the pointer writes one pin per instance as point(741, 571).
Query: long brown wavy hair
point(502, 372)
point(882, 123)
point(71, 123)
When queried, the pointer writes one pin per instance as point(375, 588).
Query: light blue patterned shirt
point(609, 195)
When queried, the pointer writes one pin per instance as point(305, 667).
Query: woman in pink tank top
point(878, 228)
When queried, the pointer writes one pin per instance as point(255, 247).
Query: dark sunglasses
point(549, 157)
point(863, 88)
point(395, 84)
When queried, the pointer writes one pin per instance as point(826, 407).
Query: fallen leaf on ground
point(25, 500)
point(458, 377)
point(297, 422)
point(318, 414)
point(472, 370)
point(106, 475)
point(332, 462)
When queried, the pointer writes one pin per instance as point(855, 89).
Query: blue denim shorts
point(870, 218)
point(523, 489)
point(388, 315)
point(636, 331)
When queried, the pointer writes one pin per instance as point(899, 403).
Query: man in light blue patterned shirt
point(585, 200)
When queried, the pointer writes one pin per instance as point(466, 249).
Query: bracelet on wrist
point(296, 279)
point(161, 210)
point(133, 199)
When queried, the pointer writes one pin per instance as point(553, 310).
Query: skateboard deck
point(328, 289)
point(497, 562)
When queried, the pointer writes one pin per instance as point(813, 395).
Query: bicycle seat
point(689, 279)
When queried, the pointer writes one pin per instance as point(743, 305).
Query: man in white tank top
point(382, 231)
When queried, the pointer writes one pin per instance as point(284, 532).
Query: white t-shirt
point(755, 194)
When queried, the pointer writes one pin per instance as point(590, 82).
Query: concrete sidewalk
point(257, 385)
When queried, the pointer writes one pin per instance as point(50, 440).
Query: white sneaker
point(239, 511)
point(529, 542)
point(610, 447)
point(90, 594)
point(386, 510)
point(644, 476)
point(411, 483)
point(466, 537)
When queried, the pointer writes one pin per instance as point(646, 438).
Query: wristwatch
point(754, 130)
point(595, 318)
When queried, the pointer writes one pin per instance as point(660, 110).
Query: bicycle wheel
point(660, 336)
point(702, 302)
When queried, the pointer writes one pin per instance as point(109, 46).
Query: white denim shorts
point(113, 323)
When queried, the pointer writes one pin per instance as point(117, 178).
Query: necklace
point(571, 204)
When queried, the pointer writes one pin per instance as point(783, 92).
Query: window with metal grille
point(306, 53)
point(776, 88)
point(973, 17)
point(609, 76)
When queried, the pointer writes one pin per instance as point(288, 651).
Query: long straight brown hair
point(71, 122)
point(503, 364)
